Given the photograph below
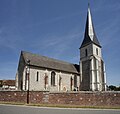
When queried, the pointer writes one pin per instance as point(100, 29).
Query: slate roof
point(87, 40)
point(50, 63)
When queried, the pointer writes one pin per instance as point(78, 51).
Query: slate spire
point(89, 36)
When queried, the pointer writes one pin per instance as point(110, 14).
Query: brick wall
point(13, 96)
point(86, 98)
point(73, 98)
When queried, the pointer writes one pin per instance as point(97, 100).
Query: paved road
point(10, 109)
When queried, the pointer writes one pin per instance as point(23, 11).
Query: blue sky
point(55, 28)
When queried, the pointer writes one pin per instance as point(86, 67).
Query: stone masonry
point(107, 99)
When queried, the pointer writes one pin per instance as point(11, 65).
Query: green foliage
point(1, 83)
point(114, 88)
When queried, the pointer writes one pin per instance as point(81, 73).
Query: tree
point(1, 83)
point(114, 88)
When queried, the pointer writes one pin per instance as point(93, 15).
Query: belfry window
point(52, 78)
point(86, 52)
point(97, 51)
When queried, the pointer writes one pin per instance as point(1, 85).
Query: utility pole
point(28, 79)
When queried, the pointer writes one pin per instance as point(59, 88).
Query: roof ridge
point(53, 59)
point(46, 62)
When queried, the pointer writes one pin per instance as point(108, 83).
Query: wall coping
point(69, 92)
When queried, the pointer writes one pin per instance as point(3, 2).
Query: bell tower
point(92, 68)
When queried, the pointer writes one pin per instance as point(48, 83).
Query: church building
point(40, 73)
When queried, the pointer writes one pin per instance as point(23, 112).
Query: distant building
point(7, 84)
point(40, 73)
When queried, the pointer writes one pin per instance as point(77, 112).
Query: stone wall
point(110, 99)
point(13, 96)
point(39, 85)
point(86, 98)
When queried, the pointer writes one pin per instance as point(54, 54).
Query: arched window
point(52, 78)
point(97, 51)
point(37, 76)
point(71, 83)
point(60, 81)
point(46, 81)
point(75, 81)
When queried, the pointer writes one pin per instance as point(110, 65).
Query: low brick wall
point(86, 98)
point(13, 96)
point(37, 97)
point(72, 98)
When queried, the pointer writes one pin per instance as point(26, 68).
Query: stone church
point(40, 73)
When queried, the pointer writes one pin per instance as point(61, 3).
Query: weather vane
point(88, 3)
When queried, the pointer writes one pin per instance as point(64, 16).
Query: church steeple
point(92, 70)
point(89, 36)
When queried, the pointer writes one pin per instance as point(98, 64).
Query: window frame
point(53, 78)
